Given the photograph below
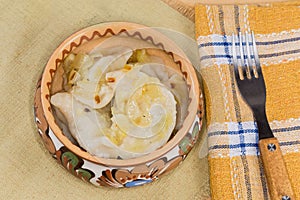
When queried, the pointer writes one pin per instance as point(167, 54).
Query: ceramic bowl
point(114, 172)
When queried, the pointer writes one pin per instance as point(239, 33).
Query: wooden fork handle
point(275, 170)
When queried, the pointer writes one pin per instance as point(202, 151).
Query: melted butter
point(140, 103)
point(168, 123)
point(139, 146)
point(117, 136)
point(127, 68)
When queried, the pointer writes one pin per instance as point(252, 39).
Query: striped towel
point(236, 170)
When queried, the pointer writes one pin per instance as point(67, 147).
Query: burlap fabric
point(30, 32)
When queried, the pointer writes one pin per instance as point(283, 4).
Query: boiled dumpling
point(175, 83)
point(86, 125)
point(93, 88)
point(144, 110)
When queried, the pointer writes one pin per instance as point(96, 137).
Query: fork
point(251, 84)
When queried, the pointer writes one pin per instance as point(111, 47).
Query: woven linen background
point(30, 31)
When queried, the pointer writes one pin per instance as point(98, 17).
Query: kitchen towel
point(235, 167)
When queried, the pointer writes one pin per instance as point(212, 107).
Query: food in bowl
point(121, 103)
point(75, 98)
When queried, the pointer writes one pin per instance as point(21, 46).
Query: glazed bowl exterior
point(114, 172)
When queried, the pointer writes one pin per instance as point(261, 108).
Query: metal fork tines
point(250, 80)
point(251, 84)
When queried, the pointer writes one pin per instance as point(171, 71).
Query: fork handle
point(275, 170)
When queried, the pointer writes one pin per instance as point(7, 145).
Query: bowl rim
point(79, 36)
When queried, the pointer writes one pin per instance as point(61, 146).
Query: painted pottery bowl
point(116, 172)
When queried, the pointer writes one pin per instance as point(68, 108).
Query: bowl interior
point(110, 35)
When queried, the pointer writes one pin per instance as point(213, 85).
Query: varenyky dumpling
point(145, 110)
point(117, 109)
point(175, 83)
point(92, 88)
point(85, 124)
